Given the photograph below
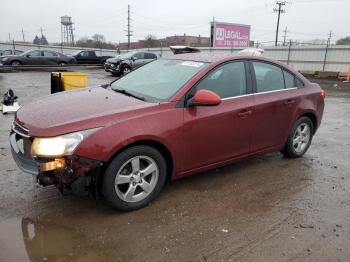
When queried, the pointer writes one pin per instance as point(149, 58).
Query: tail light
point(323, 94)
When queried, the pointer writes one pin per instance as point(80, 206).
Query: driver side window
point(228, 80)
point(35, 53)
point(138, 55)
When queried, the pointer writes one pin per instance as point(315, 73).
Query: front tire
point(299, 139)
point(15, 63)
point(126, 70)
point(134, 178)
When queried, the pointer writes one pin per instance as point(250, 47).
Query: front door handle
point(244, 113)
point(289, 102)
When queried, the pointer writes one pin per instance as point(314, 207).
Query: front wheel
point(126, 70)
point(134, 178)
point(299, 139)
point(15, 63)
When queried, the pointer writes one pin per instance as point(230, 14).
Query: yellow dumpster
point(63, 81)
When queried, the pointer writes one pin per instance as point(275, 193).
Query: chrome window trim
point(273, 91)
point(14, 124)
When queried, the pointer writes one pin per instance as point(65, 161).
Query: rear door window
point(50, 54)
point(150, 56)
point(228, 80)
point(289, 79)
point(268, 77)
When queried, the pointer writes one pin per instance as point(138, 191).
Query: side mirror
point(28, 55)
point(133, 58)
point(204, 97)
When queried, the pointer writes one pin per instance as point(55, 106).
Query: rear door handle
point(289, 102)
point(244, 113)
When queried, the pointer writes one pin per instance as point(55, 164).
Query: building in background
point(196, 41)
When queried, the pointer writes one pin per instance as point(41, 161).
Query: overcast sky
point(305, 19)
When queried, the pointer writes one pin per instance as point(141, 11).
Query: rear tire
point(62, 63)
point(299, 139)
point(134, 178)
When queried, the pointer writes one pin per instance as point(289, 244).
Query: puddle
point(29, 240)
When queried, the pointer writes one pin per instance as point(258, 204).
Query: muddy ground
point(267, 208)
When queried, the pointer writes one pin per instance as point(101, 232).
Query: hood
point(10, 56)
point(76, 110)
point(114, 59)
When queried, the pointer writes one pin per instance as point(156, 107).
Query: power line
point(279, 10)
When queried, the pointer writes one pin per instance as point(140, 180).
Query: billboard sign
point(227, 35)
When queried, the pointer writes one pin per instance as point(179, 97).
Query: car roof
point(215, 58)
point(221, 58)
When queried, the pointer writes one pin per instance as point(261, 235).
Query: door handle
point(244, 113)
point(289, 102)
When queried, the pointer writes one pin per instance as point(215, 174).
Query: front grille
point(17, 128)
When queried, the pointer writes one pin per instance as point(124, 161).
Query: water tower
point(67, 36)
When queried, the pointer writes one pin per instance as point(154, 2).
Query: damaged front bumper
point(48, 171)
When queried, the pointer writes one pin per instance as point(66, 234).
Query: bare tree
point(151, 41)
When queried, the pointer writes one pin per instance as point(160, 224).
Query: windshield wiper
point(125, 92)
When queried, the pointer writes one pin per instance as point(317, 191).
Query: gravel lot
point(267, 208)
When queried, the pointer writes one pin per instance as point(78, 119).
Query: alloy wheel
point(126, 70)
point(15, 63)
point(136, 179)
point(301, 137)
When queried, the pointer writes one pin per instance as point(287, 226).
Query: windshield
point(159, 80)
point(76, 52)
point(126, 56)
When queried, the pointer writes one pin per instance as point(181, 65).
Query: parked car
point(89, 57)
point(171, 118)
point(10, 52)
point(37, 57)
point(124, 63)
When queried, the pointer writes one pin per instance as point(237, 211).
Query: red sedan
point(168, 119)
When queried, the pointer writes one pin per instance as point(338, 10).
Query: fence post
point(289, 48)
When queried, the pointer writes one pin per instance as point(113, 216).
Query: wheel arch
point(16, 60)
point(313, 119)
point(152, 143)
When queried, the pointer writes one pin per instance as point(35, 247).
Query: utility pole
point(285, 36)
point(22, 31)
point(129, 31)
point(279, 10)
point(9, 38)
point(41, 31)
point(327, 46)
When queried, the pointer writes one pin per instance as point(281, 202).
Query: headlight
point(60, 145)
